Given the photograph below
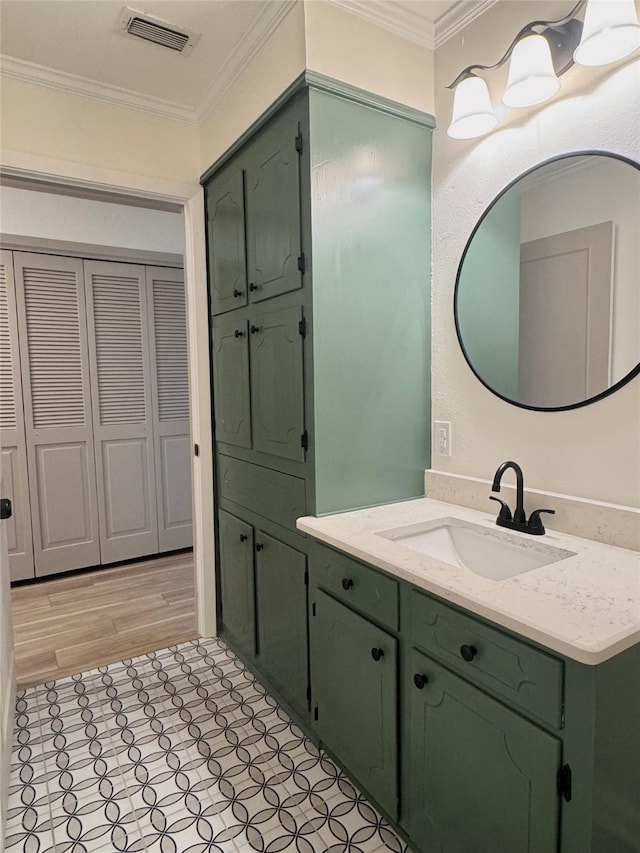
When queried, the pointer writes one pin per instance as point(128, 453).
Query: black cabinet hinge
point(564, 782)
point(302, 263)
point(302, 327)
point(306, 577)
point(304, 440)
point(196, 450)
point(299, 143)
point(309, 694)
point(313, 609)
point(315, 713)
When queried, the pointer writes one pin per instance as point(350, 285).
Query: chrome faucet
point(517, 521)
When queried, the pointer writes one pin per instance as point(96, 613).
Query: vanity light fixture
point(541, 53)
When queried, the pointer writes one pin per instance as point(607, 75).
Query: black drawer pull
point(252, 287)
point(376, 654)
point(237, 292)
point(468, 652)
point(255, 329)
point(259, 546)
point(238, 333)
point(347, 583)
point(243, 537)
point(420, 681)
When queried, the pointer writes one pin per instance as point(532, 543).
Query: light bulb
point(472, 112)
point(611, 31)
point(532, 78)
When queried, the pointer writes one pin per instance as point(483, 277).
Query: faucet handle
point(505, 512)
point(535, 522)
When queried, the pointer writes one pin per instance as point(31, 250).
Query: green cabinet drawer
point(279, 497)
point(521, 675)
point(359, 586)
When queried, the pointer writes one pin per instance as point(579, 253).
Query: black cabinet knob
point(243, 537)
point(238, 333)
point(254, 329)
point(347, 583)
point(420, 680)
point(237, 293)
point(259, 546)
point(253, 287)
point(6, 509)
point(468, 652)
point(376, 654)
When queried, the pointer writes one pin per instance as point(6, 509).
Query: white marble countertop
point(587, 606)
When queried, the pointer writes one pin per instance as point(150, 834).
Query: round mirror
point(547, 298)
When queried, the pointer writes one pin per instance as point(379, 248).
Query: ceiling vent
point(137, 24)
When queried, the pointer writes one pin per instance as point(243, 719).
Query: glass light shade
point(472, 112)
point(532, 79)
point(611, 32)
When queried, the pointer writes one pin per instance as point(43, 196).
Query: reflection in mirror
point(548, 291)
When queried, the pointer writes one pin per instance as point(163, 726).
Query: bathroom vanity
point(479, 714)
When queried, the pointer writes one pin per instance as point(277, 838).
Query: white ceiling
point(43, 38)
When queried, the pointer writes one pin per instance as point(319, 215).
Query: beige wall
point(358, 52)
point(272, 69)
point(40, 121)
point(592, 452)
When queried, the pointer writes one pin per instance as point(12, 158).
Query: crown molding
point(243, 53)
point(62, 81)
point(458, 17)
point(397, 20)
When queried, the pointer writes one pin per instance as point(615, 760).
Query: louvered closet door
point(170, 376)
point(122, 411)
point(13, 447)
point(57, 409)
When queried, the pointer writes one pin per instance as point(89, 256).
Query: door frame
point(32, 172)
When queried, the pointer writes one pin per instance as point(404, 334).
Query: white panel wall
point(58, 217)
point(592, 452)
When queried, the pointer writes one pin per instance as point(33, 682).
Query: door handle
point(6, 510)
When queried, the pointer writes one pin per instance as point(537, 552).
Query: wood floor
point(77, 623)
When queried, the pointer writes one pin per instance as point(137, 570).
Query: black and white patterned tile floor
point(178, 751)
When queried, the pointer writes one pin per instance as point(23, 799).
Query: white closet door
point(122, 411)
point(13, 446)
point(170, 372)
point(57, 410)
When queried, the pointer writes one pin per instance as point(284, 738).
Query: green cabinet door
point(226, 241)
point(481, 778)
point(231, 382)
point(277, 383)
point(354, 670)
point(273, 210)
point(237, 586)
point(281, 593)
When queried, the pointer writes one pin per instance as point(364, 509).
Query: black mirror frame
point(613, 388)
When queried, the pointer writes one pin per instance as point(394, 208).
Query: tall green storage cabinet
point(318, 240)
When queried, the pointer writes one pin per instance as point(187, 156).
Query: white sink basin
point(493, 554)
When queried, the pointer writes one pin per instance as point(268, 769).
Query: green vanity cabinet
point(281, 597)
point(355, 695)
point(237, 582)
point(481, 777)
point(263, 585)
point(226, 241)
point(258, 380)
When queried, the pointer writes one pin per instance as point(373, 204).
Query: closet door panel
point(57, 406)
point(122, 410)
point(170, 386)
point(13, 447)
